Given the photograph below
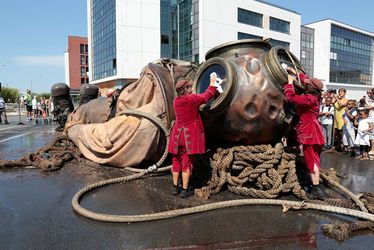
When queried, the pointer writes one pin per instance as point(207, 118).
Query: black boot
point(175, 190)
point(186, 192)
point(316, 193)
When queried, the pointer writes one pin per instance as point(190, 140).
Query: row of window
point(273, 42)
point(350, 49)
point(307, 44)
point(103, 22)
point(351, 43)
point(84, 60)
point(349, 77)
point(307, 54)
point(349, 58)
point(104, 32)
point(256, 19)
point(84, 71)
point(339, 31)
point(188, 29)
point(99, 8)
point(84, 80)
point(83, 48)
point(350, 66)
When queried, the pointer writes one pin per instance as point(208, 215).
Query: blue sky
point(33, 38)
point(33, 33)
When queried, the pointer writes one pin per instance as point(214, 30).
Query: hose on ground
point(208, 207)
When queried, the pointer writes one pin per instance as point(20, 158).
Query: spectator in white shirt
point(326, 115)
point(348, 129)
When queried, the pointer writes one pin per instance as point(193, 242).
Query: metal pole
point(19, 113)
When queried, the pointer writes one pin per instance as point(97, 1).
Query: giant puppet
point(250, 110)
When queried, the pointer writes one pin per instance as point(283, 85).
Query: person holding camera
point(340, 102)
point(326, 115)
point(309, 131)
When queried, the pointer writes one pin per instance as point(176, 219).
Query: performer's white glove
point(217, 82)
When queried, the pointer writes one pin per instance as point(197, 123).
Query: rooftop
point(336, 22)
point(277, 6)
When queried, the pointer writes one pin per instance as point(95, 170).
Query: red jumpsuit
point(309, 131)
point(187, 136)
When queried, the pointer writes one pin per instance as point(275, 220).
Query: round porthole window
point(202, 80)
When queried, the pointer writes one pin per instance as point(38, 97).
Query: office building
point(76, 62)
point(125, 35)
point(343, 56)
point(307, 49)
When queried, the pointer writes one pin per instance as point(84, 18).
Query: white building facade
point(125, 35)
point(226, 20)
point(343, 57)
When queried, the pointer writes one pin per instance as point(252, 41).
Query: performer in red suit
point(187, 136)
point(309, 131)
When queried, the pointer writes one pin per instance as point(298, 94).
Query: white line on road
point(16, 136)
point(8, 128)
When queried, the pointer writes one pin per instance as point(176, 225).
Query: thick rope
point(345, 191)
point(342, 231)
point(49, 158)
point(260, 171)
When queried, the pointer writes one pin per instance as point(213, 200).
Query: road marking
point(16, 136)
point(8, 128)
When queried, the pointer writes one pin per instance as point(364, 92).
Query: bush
point(11, 94)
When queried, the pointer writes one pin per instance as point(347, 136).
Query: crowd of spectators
point(37, 108)
point(347, 124)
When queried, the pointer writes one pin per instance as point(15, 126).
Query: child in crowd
point(362, 138)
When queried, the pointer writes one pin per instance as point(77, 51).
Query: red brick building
point(76, 62)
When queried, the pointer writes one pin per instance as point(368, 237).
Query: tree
point(11, 94)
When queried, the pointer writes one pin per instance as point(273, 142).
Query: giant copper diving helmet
point(251, 108)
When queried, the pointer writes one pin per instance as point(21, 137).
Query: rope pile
point(260, 171)
point(49, 158)
point(342, 231)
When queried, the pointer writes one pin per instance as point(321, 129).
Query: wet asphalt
point(36, 212)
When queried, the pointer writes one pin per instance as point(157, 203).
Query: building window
point(103, 38)
point(164, 39)
point(279, 25)
point(82, 80)
point(82, 48)
point(283, 44)
point(168, 27)
point(188, 38)
point(242, 35)
point(249, 17)
point(82, 60)
point(83, 71)
point(351, 56)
